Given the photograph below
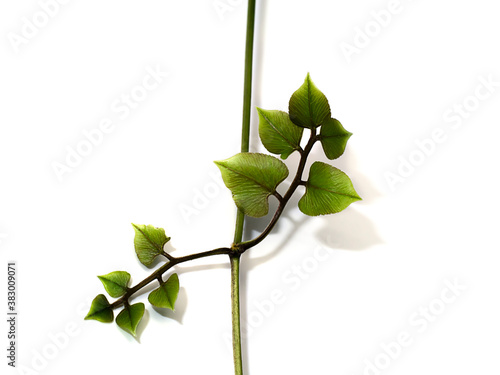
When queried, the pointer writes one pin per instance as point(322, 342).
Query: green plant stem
point(235, 294)
point(235, 310)
point(240, 216)
point(247, 103)
point(247, 88)
point(238, 229)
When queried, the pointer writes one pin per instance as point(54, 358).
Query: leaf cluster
point(253, 177)
point(149, 242)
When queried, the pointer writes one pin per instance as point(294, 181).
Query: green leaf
point(252, 178)
point(308, 107)
point(149, 242)
point(166, 295)
point(328, 190)
point(115, 283)
point(333, 138)
point(278, 133)
point(128, 319)
point(100, 310)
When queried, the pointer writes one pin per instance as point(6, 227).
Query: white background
point(364, 273)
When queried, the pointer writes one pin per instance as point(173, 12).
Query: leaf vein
point(331, 191)
point(250, 178)
point(160, 248)
point(277, 131)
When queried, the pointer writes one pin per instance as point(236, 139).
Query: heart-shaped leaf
point(149, 242)
point(100, 310)
point(333, 138)
point(115, 283)
point(252, 178)
point(308, 106)
point(328, 190)
point(128, 319)
point(166, 295)
point(278, 133)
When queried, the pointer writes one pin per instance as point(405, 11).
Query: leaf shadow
point(140, 328)
point(353, 231)
point(349, 230)
point(253, 226)
point(182, 299)
point(203, 267)
point(180, 308)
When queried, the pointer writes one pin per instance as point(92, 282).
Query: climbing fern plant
point(252, 178)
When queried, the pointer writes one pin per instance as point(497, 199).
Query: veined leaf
point(328, 190)
point(128, 319)
point(252, 178)
point(166, 295)
point(333, 138)
point(100, 310)
point(149, 242)
point(115, 283)
point(308, 106)
point(278, 133)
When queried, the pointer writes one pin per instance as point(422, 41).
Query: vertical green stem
point(247, 104)
point(240, 216)
point(247, 89)
point(238, 230)
point(235, 308)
